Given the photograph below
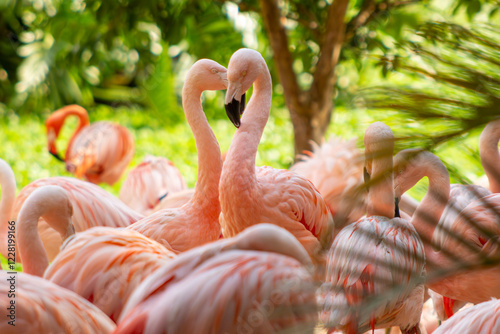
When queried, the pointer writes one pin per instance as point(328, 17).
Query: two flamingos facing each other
point(102, 264)
point(249, 194)
point(98, 152)
point(197, 221)
point(379, 255)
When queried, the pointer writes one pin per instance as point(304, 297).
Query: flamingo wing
point(234, 290)
point(105, 265)
point(375, 256)
point(101, 152)
point(44, 307)
point(292, 201)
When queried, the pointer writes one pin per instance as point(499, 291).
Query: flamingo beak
point(397, 214)
point(234, 110)
point(57, 156)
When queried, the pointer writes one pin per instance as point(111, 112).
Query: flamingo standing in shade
point(251, 195)
point(151, 180)
point(482, 318)
point(465, 245)
point(98, 152)
point(44, 307)
point(256, 282)
point(336, 170)
point(103, 265)
point(92, 206)
point(374, 255)
point(196, 222)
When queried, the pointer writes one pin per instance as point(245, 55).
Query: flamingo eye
point(243, 73)
point(214, 71)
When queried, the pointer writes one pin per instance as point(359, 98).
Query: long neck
point(31, 250)
point(206, 192)
point(243, 150)
point(428, 212)
point(8, 184)
point(83, 119)
point(381, 193)
point(490, 157)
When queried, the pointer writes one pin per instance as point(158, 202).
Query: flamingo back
point(104, 265)
point(375, 256)
point(44, 307)
point(233, 291)
point(480, 318)
point(92, 206)
point(100, 152)
point(149, 181)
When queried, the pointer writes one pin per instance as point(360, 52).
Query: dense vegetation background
point(125, 62)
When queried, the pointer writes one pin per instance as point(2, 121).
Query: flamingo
point(103, 265)
point(196, 222)
point(482, 318)
point(374, 255)
point(92, 206)
point(259, 282)
point(250, 195)
point(489, 154)
point(175, 200)
point(148, 182)
point(98, 152)
point(336, 170)
point(8, 184)
point(44, 307)
point(451, 277)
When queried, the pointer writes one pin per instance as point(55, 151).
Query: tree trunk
point(310, 110)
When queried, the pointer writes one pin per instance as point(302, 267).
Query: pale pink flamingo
point(196, 222)
point(375, 268)
point(103, 265)
point(92, 206)
point(455, 269)
point(98, 152)
point(482, 318)
point(150, 181)
point(44, 307)
point(256, 282)
point(250, 195)
point(336, 170)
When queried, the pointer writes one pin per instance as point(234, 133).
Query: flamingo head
point(244, 68)
point(53, 126)
point(405, 173)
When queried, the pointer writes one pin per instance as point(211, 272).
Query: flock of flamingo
point(332, 244)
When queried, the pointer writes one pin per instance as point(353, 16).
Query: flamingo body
point(98, 152)
point(149, 181)
point(44, 307)
point(256, 280)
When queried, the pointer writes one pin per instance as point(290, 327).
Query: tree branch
point(279, 42)
point(330, 50)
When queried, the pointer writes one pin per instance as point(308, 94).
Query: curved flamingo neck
point(40, 203)
point(243, 150)
point(83, 118)
point(8, 184)
point(490, 156)
point(429, 211)
point(206, 193)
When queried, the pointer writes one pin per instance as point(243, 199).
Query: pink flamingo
point(148, 182)
point(175, 200)
point(465, 242)
point(482, 318)
point(103, 265)
point(255, 282)
point(489, 154)
point(44, 307)
point(196, 222)
point(251, 195)
point(92, 206)
point(336, 170)
point(376, 256)
point(100, 152)
point(8, 184)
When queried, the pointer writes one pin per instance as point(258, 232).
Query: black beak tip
point(397, 214)
point(55, 155)
point(233, 112)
